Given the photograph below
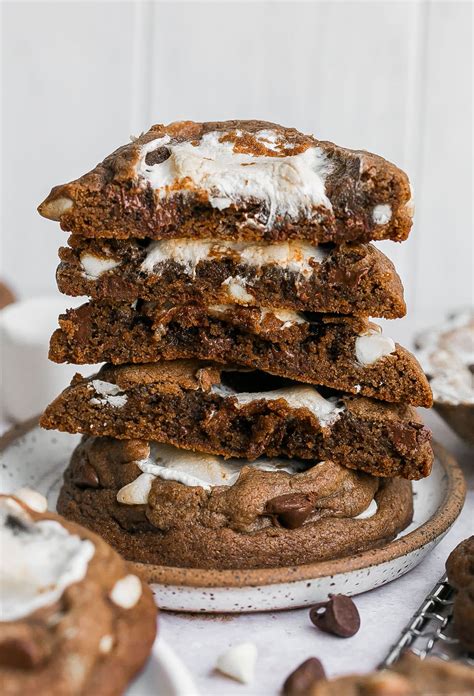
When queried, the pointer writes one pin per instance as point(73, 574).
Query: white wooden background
point(392, 77)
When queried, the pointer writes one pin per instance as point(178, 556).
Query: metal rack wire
point(430, 631)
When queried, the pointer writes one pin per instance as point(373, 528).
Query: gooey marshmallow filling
point(204, 470)
point(194, 469)
point(295, 256)
point(291, 185)
point(107, 394)
point(327, 411)
point(40, 560)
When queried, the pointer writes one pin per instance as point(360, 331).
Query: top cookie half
point(236, 180)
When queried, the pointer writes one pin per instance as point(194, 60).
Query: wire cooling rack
point(430, 630)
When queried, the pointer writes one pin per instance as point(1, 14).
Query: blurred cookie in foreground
point(460, 569)
point(446, 353)
point(74, 620)
point(6, 295)
point(410, 676)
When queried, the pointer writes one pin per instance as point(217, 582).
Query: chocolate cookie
point(460, 570)
point(350, 279)
point(410, 676)
point(446, 353)
point(239, 413)
point(344, 353)
point(158, 504)
point(74, 620)
point(235, 180)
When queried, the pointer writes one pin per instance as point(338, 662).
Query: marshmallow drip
point(291, 185)
point(40, 560)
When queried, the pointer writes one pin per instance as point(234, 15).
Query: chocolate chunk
point(157, 156)
point(403, 438)
point(85, 476)
point(291, 510)
point(338, 615)
point(22, 652)
point(299, 682)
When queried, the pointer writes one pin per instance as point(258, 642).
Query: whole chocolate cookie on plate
point(157, 504)
point(75, 621)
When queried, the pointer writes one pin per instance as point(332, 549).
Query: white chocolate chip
point(126, 592)
point(105, 644)
point(238, 662)
point(237, 290)
point(382, 214)
point(55, 208)
point(33, 499)
point(93, 266)
point(371, 347)
point(136, 492)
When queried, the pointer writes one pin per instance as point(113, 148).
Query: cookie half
point(74, 619)
point(350, 279)
point(243, 413)
point(249, 180)
point(158, 504)
point(344, 353)
point(460, 569)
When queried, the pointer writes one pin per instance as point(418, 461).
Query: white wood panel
point(67, 78)
point(392, 77)
point(443, 275)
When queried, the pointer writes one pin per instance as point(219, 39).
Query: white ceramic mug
point(29, 380)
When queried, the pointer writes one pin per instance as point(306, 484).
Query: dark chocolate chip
point(403, 437)
point(16, 524)
point(299, 682)
point(20, 653)
point(85, 476)
point(157, 156)
point(291, 510)
point(338, 615)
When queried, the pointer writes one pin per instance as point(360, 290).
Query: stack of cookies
point(249, 413)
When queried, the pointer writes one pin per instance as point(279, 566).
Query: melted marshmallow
point(369, 511)
point(43, 560)
point(288, 185)
point(327, 411)
point(295, 257)
point(109, 394)
point(372, 346)
point(382, 214)
point(195, 469)
point(93, 266)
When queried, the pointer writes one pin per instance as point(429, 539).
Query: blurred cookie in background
point(6, 295)
point(446, 354)
point(73, 618)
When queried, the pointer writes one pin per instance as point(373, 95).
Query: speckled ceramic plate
point(33, 457)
